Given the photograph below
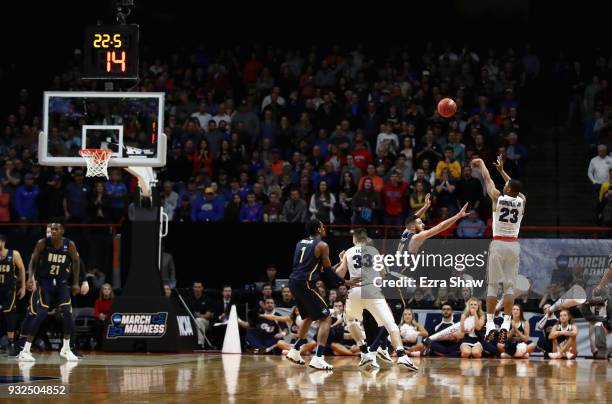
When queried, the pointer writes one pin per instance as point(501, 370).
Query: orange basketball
point(447, 107)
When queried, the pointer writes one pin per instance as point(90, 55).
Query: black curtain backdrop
point(217, 253)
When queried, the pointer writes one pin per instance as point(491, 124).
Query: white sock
point(66, 345)
point(26, 347)
point(506, 324)
point(540, 325)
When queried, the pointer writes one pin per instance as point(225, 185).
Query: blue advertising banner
point(564, 262)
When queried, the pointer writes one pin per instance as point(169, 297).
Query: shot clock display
point(111, 52)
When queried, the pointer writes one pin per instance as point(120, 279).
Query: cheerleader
point(410, 331)
point(563, 336)
point(518, 345)
point(472, 321)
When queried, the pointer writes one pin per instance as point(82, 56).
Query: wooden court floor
point(216, 378)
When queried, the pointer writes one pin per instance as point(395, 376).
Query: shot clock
point(111, 52)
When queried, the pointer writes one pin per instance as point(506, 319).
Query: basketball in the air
point(447, 107)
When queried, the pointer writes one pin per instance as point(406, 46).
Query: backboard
point(130, 124)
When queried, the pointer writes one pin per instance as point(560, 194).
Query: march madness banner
point(126, 325)
point(564, 261)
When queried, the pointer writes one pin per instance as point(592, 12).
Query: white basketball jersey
point(507, 216)
point(360, 263)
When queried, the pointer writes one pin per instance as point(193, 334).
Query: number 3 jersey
point(55, 263)
point(360, 261)
point(507, 216)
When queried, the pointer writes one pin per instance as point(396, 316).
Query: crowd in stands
point(586, 87)
point(600, 174)
point(282, 135)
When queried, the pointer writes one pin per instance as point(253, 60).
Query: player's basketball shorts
point(7, 298)
point(308, 300)
point(503, 263)
point(358, 301)
point(50, 294)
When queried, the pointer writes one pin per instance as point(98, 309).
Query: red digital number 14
point(111, 57)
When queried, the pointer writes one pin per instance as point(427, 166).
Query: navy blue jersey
point(405, 246)
point(55, 263)
point(548, 326)
point(305, 263)
point(269, 327)
point(8, 274)
point(441, 327)
point(404, 242)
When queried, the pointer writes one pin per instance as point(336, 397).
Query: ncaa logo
point(562, 261)
point(116, 319)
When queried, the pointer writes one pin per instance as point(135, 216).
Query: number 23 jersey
point(507, 216)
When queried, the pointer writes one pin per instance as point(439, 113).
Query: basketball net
point(97, 161)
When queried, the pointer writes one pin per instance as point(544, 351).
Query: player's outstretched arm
point(440, 227)
point(499, 165)
point(500, 168)
point(22, 274)
point(273, 317)
point(421, 212)
point(489, 184)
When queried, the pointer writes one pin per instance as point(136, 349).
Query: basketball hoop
point(97, 161)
